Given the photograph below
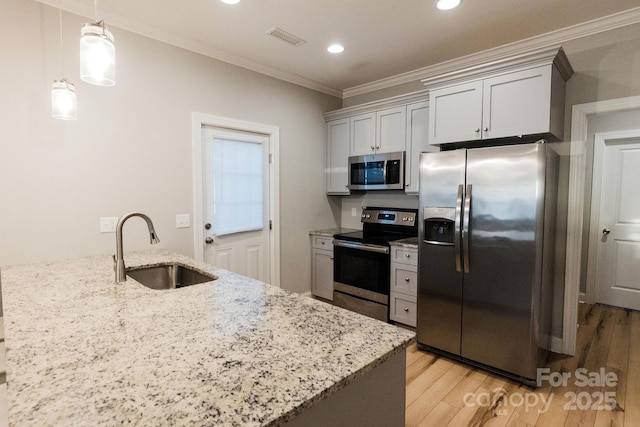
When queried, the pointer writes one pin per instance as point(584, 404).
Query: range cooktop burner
point(383, 225)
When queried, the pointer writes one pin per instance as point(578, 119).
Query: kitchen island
point(83, 350)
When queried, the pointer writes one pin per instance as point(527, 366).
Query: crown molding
point(536, 43)
point(395, 101)
point(554, 55)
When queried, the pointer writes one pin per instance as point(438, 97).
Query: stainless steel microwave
point(383, 171)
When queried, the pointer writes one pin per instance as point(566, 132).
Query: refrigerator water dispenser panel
point(439, 226)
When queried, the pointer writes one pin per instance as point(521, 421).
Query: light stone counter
point(410, 242)
point(329, 232)
point(82, 350)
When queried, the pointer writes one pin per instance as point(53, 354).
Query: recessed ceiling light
point(447, 4)
point(230, 1)
point(335, 48)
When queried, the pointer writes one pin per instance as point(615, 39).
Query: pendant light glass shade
point(97, 55)
point(63, 101)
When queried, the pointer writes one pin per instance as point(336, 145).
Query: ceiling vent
point(285, 37)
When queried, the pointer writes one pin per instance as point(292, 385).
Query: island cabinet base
point(375, 399)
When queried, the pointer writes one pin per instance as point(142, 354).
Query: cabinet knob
point(476, 130)
point(377, 147)
point(406, 310)
point(372, 147)
point(407, 255)
point(322, 242)
point(406, 279)
point(485, 128)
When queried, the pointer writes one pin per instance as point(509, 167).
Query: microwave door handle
point(457, 226)
point(384, 171)
point(465, 228)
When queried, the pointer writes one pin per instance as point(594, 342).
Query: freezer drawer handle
point(456, 235)
point(465, 228)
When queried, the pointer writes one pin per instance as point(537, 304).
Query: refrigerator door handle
point(465, 228)
point(456, 235)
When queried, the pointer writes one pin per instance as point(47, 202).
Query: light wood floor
point(608, 339)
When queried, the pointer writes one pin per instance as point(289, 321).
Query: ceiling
point(383, 38)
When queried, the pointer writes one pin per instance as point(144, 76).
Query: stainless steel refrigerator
point(486, 255)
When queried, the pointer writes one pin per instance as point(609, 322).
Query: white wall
point(130, 148)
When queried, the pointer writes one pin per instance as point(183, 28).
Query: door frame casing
point(198, 120)
point(581, 114)
point(591, 294)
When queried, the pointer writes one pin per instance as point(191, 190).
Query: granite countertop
point(82, 350)
point(329, 232)
point(411, 242)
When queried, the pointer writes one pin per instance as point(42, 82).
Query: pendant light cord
point(61, 40)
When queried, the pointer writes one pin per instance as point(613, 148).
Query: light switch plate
point(108, 224)
point(183, 221)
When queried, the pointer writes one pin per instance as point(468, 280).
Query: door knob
point(207, 226)
point(208, 240)
point(606, 231)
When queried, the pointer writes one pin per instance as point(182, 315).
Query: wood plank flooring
point(441, 392)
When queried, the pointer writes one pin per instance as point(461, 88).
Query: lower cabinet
point(322, 267)
point(404, 285)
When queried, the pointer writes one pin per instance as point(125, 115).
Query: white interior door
point(236, 226)
point(616, 224)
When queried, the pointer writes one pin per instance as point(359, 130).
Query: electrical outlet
point(354, 212)
point(108, 224)
point(183, 221)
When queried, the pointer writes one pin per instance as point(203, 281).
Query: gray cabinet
point(404, 285)
point(518, 97)
point(322, 267)
point(338, 156)
point(395, 124)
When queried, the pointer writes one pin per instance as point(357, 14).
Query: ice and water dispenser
point(439, 225)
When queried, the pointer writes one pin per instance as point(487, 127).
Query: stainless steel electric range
point(361, 260)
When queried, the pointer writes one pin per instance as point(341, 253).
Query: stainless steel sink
point(168, 276)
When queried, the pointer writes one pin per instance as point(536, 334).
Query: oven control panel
point(390, 217)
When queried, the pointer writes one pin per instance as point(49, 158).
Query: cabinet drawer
point(404, 281)
point(322, 242)
point(403, 309)
point(404, 255)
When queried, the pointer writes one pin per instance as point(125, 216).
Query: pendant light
point(97, 53)
point(63, 100)
point(63, 93)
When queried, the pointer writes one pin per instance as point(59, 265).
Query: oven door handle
point(361, 246)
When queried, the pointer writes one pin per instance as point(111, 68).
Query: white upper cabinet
point(391, 125)
point(379, 132)
point(417, 142)
point(338, 156)
point(363, 134)
point(521, 99)
point(456, 113)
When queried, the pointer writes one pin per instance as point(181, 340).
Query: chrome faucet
point(118, 258)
